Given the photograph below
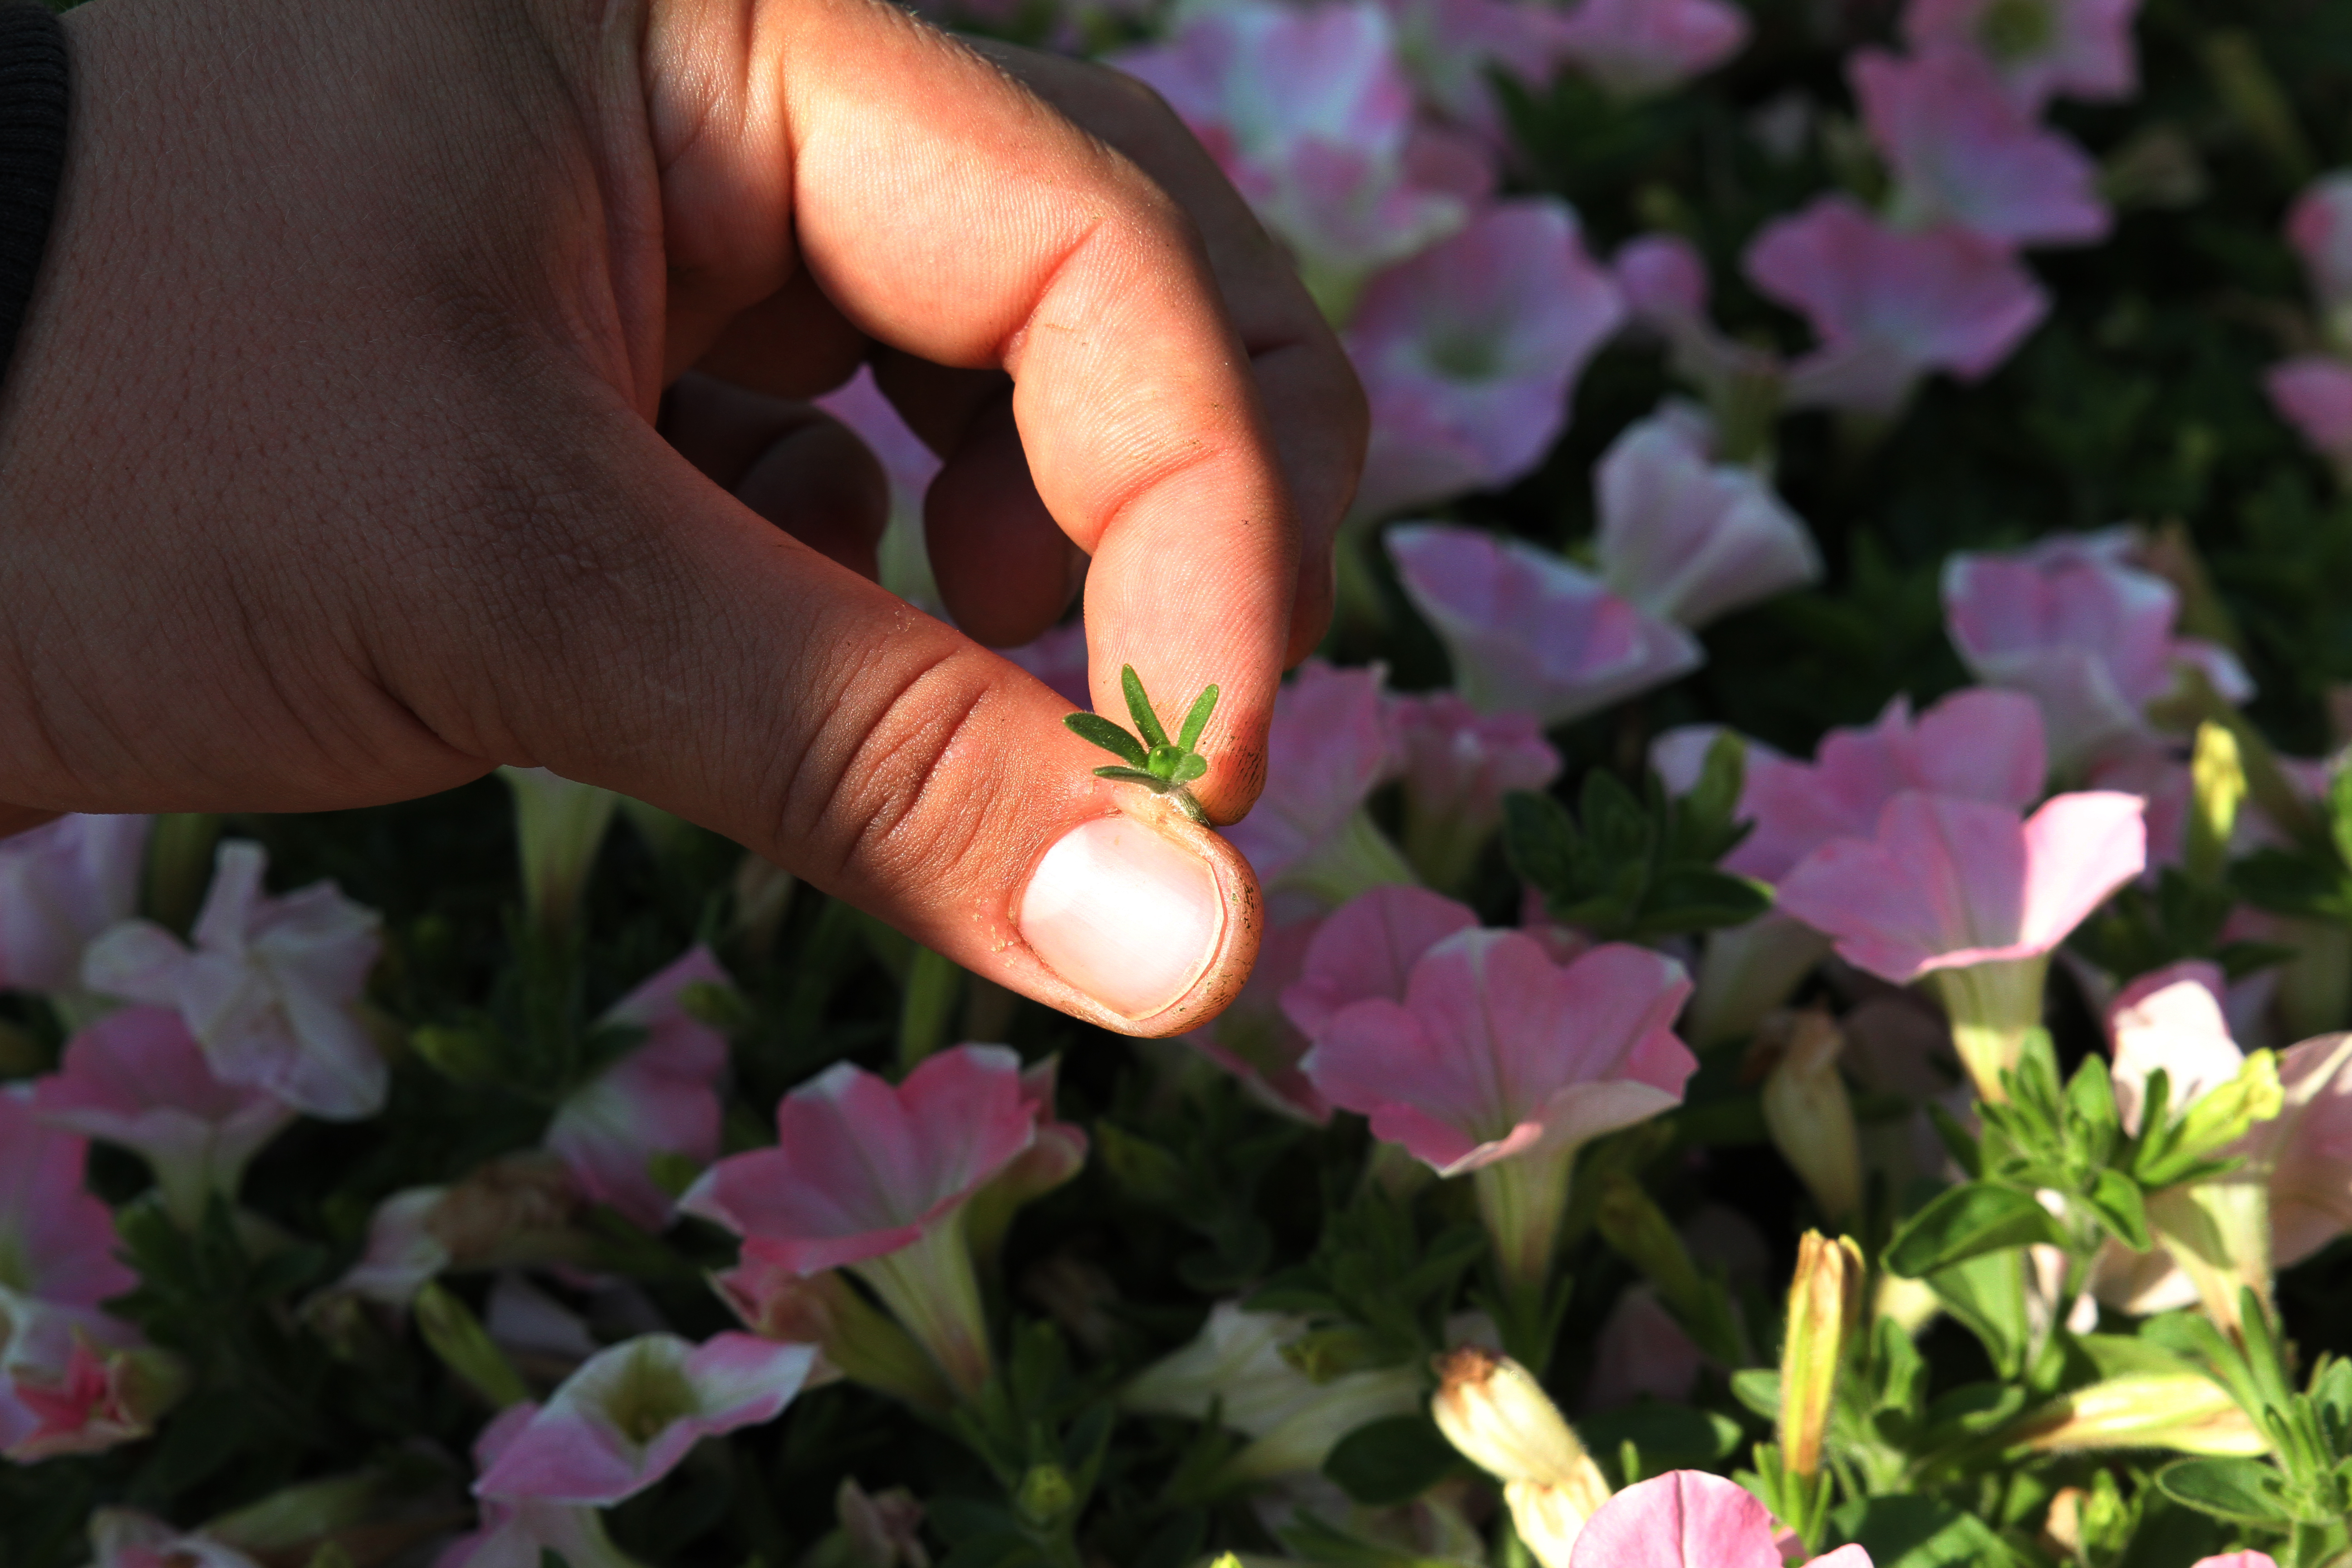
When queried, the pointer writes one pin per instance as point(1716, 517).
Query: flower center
point(2018, 29)
point(1466, 356)
point(648, 1396)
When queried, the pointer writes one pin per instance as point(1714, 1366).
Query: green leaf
point(1920, 1532)
point(1967, 1222)
point(2244, 1491)
point(1700, 898)
point(1759, 1388)
point(1391, 1462)
point(1099, 730)
point(1139, 708)
point(1542, 843)
point(1198, 719)
point(1192, 767)
point(2115, 1198)
point(1987, 1294)
point(1666, 1436)
point(1152, 781)
point(1162, 763)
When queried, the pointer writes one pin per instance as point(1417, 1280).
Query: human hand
point(331, 476)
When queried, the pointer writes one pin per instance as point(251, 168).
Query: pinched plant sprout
point(1159, 764)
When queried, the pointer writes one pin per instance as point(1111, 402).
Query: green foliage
point(1160, 765)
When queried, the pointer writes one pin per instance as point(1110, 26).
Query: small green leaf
point(1192, 767)
point(1152, 781)
point(1198, 719)
point(1162, 763)
point(2244, 1491)
point(1099, 730)
point(2115, 1198)
point(1967, 1222)
point(1139, 708)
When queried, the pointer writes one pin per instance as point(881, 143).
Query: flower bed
point(1811, 916)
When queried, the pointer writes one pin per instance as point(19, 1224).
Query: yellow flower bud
point(1825, 1306)
point(1494, 1412)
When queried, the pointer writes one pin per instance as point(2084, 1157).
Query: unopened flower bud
point(1045, 1495)
point(1825, 1303)
point(465, 1347)
point(883, 1530)
point(2185, 1410)
point(1498, 1416)
point(559, 827)
point(2217, 778)
point(1809, 1117)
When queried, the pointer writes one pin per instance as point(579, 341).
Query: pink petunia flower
point(2237, 1560)
point(1491, 1057)
point(660, 1102)
point(2087, 635)
point(510, 1212)
point(1964, 150)
point(1638, 48)
point(1255, 1041)
point(103, 1396)
point(1458, 764)
point(2319, 227)
point(2314, 393)
point(1453, 49)
point(517, 1532)
point(1469, 352)
point(60, 885)
point(137, 1078)
point(267, 988)
point(1328, 747)
point(875, 1179)
point(1687, 539)
point(56, 1264)
point(2042, 48)
point(1962, 891)
point(1526, 631)
point(1688, 1519)
point(1890, 305)
point(1311, 115)
point(1641, 1353)
point(629, 1415)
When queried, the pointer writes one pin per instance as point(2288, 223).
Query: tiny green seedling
point(1159, 764)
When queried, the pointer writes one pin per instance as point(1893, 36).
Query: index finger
point(947, 212)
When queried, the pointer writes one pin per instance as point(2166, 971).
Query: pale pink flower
point(1962, 891)
point(1059, 659)
point(1255, 1041)
point(2237, 1560)
point(511, 1211)
point(2319, 227)
point(1469, 352)
point(1309, 114)
point(1494, 1058)
point(629, 1415)
point(1452, 48)
point(56, 1264)
point(1458, 764)
point(658, 1102)
point(137, 1078)
point(1948, 883)
point(1688, 1519)
point(267, 987)
point(2171, 1019)
point(2314, 393)
point(1328, 749)
point(1965, 152)
point(1890, 305)
point(2310, 1149)
point(1975, 744)
point(1641, 1353)
point(517, 1533)
point(1688, 539)
point(2083, 632)
point(2042, 48)
point(1526, 631)
point(1663, 281)
point(102, 1397)
point(1637, 47)
point(877, 1178)
point(125, 1538)
point(60, 885)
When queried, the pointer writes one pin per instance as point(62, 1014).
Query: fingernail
point(1126, 914)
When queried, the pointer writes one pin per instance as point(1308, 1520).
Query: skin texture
point(330, 472)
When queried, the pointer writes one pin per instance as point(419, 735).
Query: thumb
point(744, 681)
